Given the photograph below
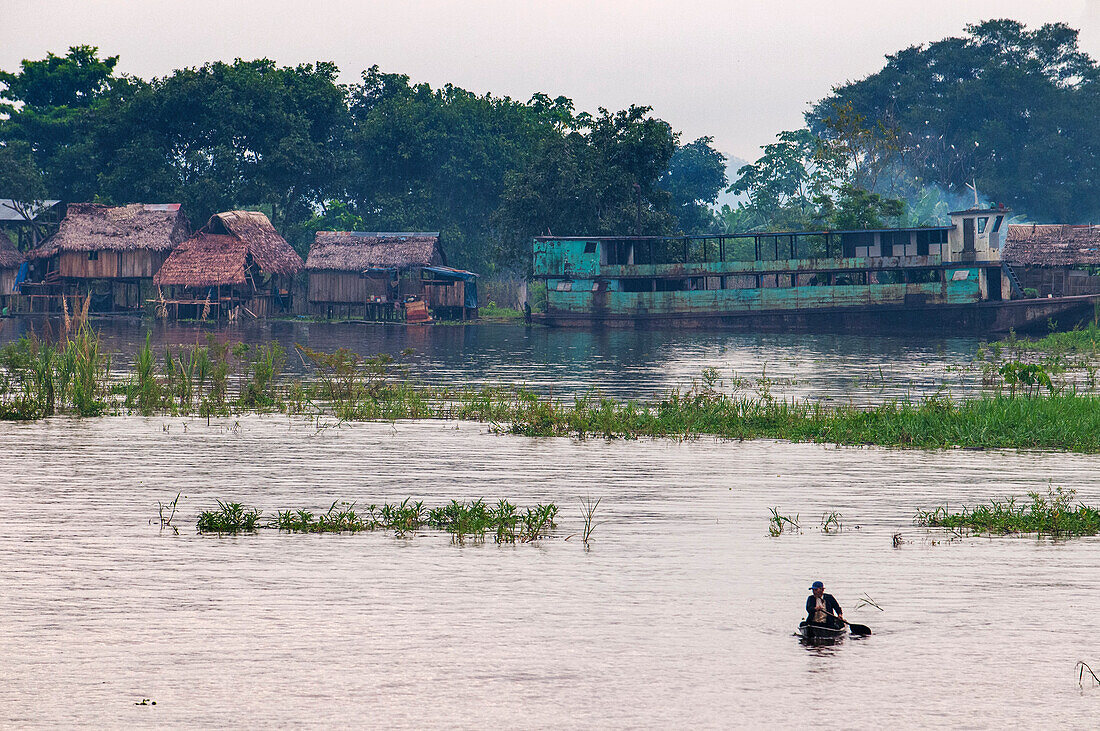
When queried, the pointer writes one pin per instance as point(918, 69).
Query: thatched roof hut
point(1052, 245)
point(89, 227)
point(224, 248)
point(357, 251)
point(10, 257)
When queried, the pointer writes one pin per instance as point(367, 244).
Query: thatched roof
point(218, 254)
point(95, 227)
point(358, 251)
point(10, 257)
point(205, 260)
point(1052, 245)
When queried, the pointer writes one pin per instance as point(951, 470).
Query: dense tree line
point(1008, 110)
point(381, 154)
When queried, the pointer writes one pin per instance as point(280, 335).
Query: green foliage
point(601, 176)
point(1002, 104)
point(230, 518)
point(696, 175)
point(1053, 514)
point(463, 520)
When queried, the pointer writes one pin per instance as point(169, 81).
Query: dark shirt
point(831, 606)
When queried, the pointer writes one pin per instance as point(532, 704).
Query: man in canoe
point(820, 605)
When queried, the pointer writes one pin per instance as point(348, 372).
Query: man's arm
point(836, 606)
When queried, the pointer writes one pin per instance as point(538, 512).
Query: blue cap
point(817, 585)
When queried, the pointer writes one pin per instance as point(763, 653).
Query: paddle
point(856, 629)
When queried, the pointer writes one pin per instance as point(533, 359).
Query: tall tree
point(696, 175)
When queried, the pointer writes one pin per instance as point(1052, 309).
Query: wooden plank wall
point(139, 264)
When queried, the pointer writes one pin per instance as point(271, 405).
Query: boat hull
point(1026, 315)
point(821, 634)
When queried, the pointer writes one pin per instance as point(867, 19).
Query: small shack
point(10, 262)
point(375, 275)
point(107, 253)
point(1053, 259)
point(237, 263)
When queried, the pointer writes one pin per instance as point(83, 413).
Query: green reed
point(1054, 513)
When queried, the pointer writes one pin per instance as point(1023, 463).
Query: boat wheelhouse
point(916, 278)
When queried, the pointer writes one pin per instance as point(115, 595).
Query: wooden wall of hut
point(1058, 281)
point(137, 264)
point(7, 282)
point(343, 287)
point(452, 294)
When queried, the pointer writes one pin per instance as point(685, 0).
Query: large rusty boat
point(949, 279)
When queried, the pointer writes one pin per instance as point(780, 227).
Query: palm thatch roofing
point(221, 251)
point(10, 257)
point(357, 251)
point(138, 226)
point(1052, 245)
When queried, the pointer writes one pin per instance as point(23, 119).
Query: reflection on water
point(683, 608)
point(623, 363)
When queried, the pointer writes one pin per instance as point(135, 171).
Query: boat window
point(672, 285)
point(982, 223)
point(813, 280)
point(890, 276)
point(636, 285)
point(922, 276)
point(590, 247)
point(960, 275)
point(997, 223)
point(740, 281)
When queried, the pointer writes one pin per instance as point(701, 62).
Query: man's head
point(817, 588)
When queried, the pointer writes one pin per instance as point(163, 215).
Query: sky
point(740, 70)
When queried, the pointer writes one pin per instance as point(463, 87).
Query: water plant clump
point(475, 520)
point(230, 518)
point(1054, 513)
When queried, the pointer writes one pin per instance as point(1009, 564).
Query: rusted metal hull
point(967, 318)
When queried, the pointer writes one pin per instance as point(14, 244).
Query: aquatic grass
point(588, 514)
point(779, 523)
point(229, 518)
point(831, 522)
point(342, 519)
point(1054, 514)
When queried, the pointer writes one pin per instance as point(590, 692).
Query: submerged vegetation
point(503, 521)
point(1054, 514)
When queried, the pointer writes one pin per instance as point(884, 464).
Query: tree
point(601, 177)
point(1002, 105)
point(222, 136)
point(21, 181)
point(696, 175)
point(51, 105)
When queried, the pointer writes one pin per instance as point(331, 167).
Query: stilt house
point(107, 253)
point(10, 262)
point(236, 264)
point(1053, 259)
point(375, 275)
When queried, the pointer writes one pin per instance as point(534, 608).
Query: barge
point(949, 279)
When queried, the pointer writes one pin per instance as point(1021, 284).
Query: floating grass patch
point(1055, 514)
point(230, 518)
point(504, 521)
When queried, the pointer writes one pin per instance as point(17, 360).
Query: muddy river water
point(681, 611)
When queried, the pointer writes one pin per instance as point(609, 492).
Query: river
point(681, 611)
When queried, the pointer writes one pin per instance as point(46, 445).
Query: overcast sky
point(740, 70)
